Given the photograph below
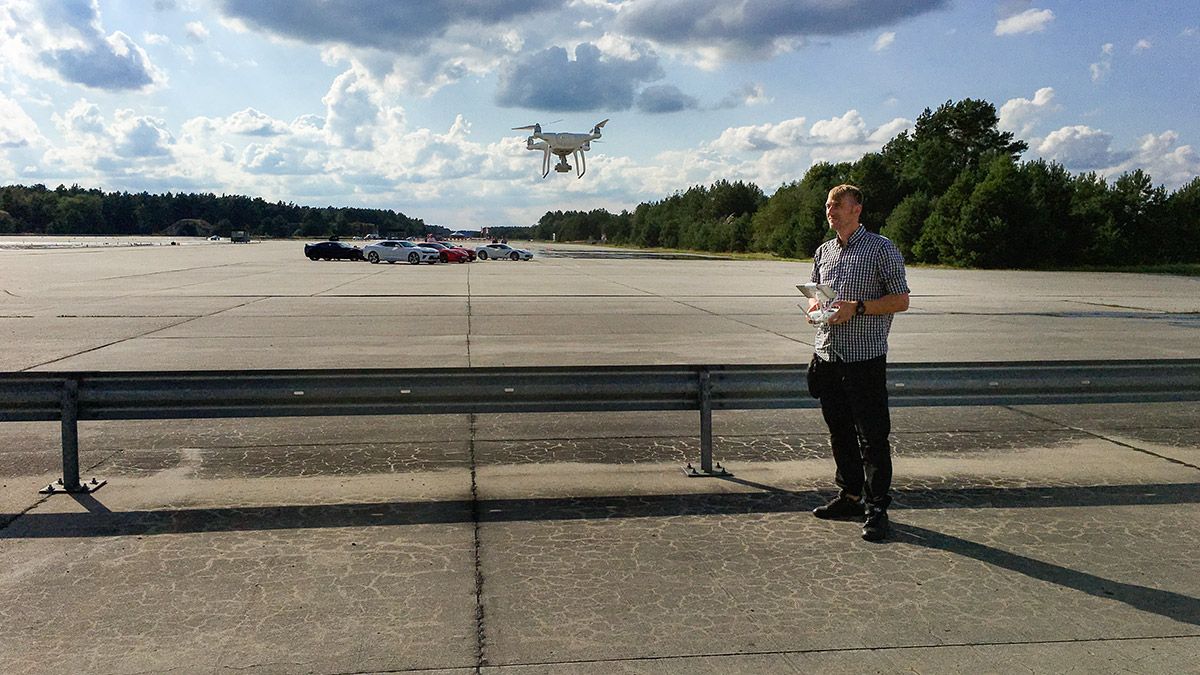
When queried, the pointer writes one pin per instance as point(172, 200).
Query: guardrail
point(74, 396)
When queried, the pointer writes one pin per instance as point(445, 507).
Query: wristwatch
point(860, 308)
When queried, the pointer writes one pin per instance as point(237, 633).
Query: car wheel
point(414, 258)
point(373, 257)
point(515, 256)
point(443, 257)
point(313, 258)
point(483, 255)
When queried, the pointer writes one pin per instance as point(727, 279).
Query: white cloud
point(17, 129)
point(1029, 21)
point(1101, 68)
point(1080, 148)
point(251, 122)
point(69, 39)
point(890, 130)
point(196, 31)
point(847, 129)
point(280, 159)
point(1141, 46)
point(1021, 115)
point(92, 147)
point(762, 137)
point(82, 119)
point(1161, 156)
point(884, 41)
point(138, 136)
point(355, 110)
point(749, 94)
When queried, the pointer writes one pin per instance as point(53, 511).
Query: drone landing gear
point(562, 166)
point(580, 162)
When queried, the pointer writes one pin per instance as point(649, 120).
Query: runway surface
point(1042, 538)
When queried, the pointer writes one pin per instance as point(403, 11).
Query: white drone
point(561, 144)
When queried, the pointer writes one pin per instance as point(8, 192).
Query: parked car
point(447, 253)
point(392, 251)
point(502, 251)
point(460, 247)
point(332, 250)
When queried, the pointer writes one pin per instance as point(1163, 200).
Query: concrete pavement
point(1032, 538)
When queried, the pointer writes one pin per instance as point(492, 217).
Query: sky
point(409, 105)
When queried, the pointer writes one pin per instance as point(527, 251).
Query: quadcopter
point(561, 144)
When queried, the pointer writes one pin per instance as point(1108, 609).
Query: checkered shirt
point(868, 267)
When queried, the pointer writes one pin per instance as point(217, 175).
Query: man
point(867, 271)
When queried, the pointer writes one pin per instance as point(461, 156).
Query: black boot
point(876, 527)
point(841, 507)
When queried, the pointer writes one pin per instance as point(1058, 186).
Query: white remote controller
point(822, 315)
point(823, 294)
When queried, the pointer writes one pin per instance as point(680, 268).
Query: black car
point(332, 250)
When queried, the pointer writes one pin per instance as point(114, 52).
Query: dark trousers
point(854, 403)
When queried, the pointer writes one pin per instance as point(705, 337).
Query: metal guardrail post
point(70, 445)
point(706, 459)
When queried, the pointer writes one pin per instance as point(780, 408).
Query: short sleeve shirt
point(868, 267)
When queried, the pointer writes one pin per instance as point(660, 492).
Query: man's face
point(842, 211)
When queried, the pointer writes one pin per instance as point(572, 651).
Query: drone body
point(561, 145)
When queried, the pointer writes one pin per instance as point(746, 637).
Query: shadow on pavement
point(1165, 603)
point(99, 521)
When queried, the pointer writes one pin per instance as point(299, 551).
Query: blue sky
point(409, 105)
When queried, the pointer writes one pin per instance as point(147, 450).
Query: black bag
point(814, 376)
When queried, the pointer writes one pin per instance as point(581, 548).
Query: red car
point(449, 252)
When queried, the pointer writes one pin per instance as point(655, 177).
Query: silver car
point(391, 251)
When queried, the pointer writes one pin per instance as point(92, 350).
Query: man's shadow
point(1172, 605)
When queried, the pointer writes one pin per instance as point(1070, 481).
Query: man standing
point(867, 272)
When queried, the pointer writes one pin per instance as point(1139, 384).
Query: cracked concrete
point(1033, 538)
point(607, 561)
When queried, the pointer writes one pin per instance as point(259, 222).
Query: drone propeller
point(529, 127)
point(596, 129)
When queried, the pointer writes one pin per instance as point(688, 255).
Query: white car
point(502, 252)
point(403, 251)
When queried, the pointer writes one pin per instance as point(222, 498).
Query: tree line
point(951, 191)
point(38, 210)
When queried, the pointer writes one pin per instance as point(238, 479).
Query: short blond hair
point(840, 191)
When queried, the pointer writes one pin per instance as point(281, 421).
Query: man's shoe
point(876, 528)
point(841, 507)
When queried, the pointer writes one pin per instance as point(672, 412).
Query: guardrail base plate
point(57, 487)
point(717, 472)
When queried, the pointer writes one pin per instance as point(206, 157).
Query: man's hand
point(845, 312)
